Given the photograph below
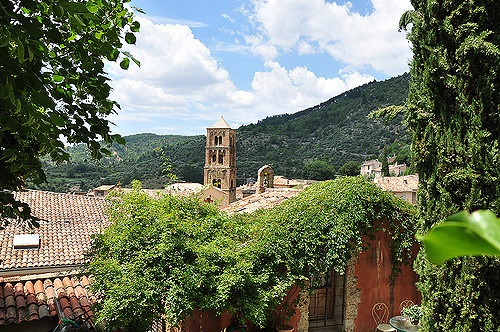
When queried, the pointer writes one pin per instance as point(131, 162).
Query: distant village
point(39, 268)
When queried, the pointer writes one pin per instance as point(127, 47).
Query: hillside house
point(283, 182)
point(396, 169)
point(374, 167)
point(371, 168)
point(405, 187)
point(103, 190)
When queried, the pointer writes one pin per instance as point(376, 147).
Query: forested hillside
point(336, 131)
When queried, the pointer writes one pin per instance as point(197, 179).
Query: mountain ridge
point(337, 131)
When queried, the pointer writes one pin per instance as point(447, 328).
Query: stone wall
point(352, 295)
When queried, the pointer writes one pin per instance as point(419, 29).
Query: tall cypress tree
point(454, 116)
point(385, 162)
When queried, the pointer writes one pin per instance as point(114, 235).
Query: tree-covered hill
point(336, 131)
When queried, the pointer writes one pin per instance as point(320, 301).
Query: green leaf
point(113, 55)
point(125, 63)
point(130, 38)
point(78, 21)
point(20, 52)
point(106, 151)
point(134, 27)
point(119, 140)
point(129, 55)
point(463, 234)
point(56, 119)
point(92, 7)
point(57, 78)
point(140, 10)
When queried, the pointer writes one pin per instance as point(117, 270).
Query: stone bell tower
point(220, 159)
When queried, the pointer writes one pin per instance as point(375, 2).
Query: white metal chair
point(380, 314)
point(405, 304)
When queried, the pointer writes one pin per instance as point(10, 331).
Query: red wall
point(373, 272)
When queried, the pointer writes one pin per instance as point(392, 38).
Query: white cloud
point(176, 72)
point(356, 40)
point(172, 57)
point(229, 18)
point(259, 48)
point(288, 91)
point(180, 86)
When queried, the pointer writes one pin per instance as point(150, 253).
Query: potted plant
point(285, 328)
point(414, 313)
point(285, 311)
point(280, 319)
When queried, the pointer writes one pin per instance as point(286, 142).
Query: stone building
point(405, 187)
point(371, 167)
point(220, 159)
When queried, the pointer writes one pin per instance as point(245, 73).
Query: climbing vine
point(165, 257)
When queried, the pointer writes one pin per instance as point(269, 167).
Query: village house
point(374, 167)
point(405, 187)
point(40, 281)
point(371, 168)
point(103, 190)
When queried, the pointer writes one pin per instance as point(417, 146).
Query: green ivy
point(164, 257)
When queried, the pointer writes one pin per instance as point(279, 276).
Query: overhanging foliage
point(53, 87)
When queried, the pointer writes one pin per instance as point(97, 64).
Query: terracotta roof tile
point(268, 199)
point(407, 183)
point(67, 223)
point(20, 303)
point(33, 312)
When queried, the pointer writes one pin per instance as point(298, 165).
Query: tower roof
point(221, 123)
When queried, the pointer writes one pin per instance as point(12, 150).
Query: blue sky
point(246, 60)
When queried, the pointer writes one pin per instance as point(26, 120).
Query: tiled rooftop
point(395, 184)
point(268, 199)
point(28, 300)
point(67, 222)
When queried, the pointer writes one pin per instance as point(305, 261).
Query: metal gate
point(326, 305)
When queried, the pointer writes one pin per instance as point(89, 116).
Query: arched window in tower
point(216, 183)
point(216, 140)
point(214, 157)
point(220, 140)
point(221, 158)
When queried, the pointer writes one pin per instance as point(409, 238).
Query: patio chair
point(380, 313)
point(405, 304)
